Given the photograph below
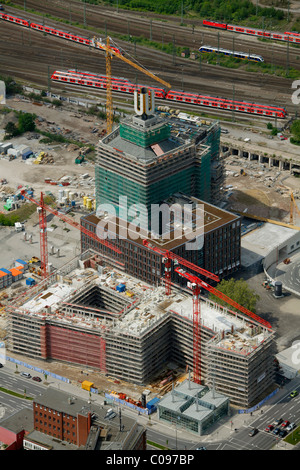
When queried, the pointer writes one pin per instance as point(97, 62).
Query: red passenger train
point(122, 85)
point(55, 32)
point(286, 36)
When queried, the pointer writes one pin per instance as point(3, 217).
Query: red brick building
point(59, 416)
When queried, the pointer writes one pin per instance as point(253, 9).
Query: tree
point(295, 130)
point(11, 130)
point(26, 122)
point(238, 291)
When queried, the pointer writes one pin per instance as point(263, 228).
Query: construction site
point(92, 315)
point(133, 310)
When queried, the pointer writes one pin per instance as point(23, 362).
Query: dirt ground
point(77, 374)
point(67, 121)
point(263, 191)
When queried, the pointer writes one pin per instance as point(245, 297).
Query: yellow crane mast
point(293, 204)
point(109, 54)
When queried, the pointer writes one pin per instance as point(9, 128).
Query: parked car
point(26, 374)
point(269, 428)
point(278, 421)
point(282, 433)
point(290, 427)
point(276, 431)
point(294, 394)
point(37, 379)
point(253, 432)
point(285, 424)
point(1, 365)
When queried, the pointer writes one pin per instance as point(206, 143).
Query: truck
point(19, 227)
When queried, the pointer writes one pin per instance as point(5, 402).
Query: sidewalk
point(222, 430)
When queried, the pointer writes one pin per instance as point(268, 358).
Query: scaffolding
point(137, 331)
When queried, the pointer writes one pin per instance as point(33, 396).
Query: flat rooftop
point(182, 134)
point(205, 218)
point(193, 401)
point(258, 243)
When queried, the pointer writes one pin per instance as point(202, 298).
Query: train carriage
point(214, 24)
point(286, 36)
point(236, 54)
point(14, 19)
point(124, 86)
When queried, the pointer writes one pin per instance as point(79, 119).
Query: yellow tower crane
point(293, 204)
point(109, 54)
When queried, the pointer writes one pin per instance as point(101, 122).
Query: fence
point(37, 369)
point(258, 405)
point(144, 411)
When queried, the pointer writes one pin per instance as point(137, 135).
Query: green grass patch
point(15, 394)
point(159, 446)
point(50, 138)
point(250, 66)
point(22, 213)
point(294, 437)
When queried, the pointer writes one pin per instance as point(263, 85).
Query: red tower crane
point(43, 237)
point(168, 257)
point(195, 285)
point(43, 208)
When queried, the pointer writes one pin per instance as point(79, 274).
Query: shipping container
point(30, 281)
point(86, 385)
point(121, 288)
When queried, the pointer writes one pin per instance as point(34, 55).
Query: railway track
point(156, 27)
point(123, 101)
point(48, 53)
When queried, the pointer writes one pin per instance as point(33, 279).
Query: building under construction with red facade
point(92, 315)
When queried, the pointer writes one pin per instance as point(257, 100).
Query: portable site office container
point(6, 271)
point(6, 277)
point(17, 274)
point(3, 280)
point(20, 262)
point(5, 147)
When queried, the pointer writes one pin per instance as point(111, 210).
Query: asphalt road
point(10, 380)
point(290, 276)
point(222, 437)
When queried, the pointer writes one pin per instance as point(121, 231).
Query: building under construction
point(149, 157)
point(152, 161)
point(217, 231)
point(95, 316)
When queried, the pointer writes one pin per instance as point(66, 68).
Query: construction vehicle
point(19, 227)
